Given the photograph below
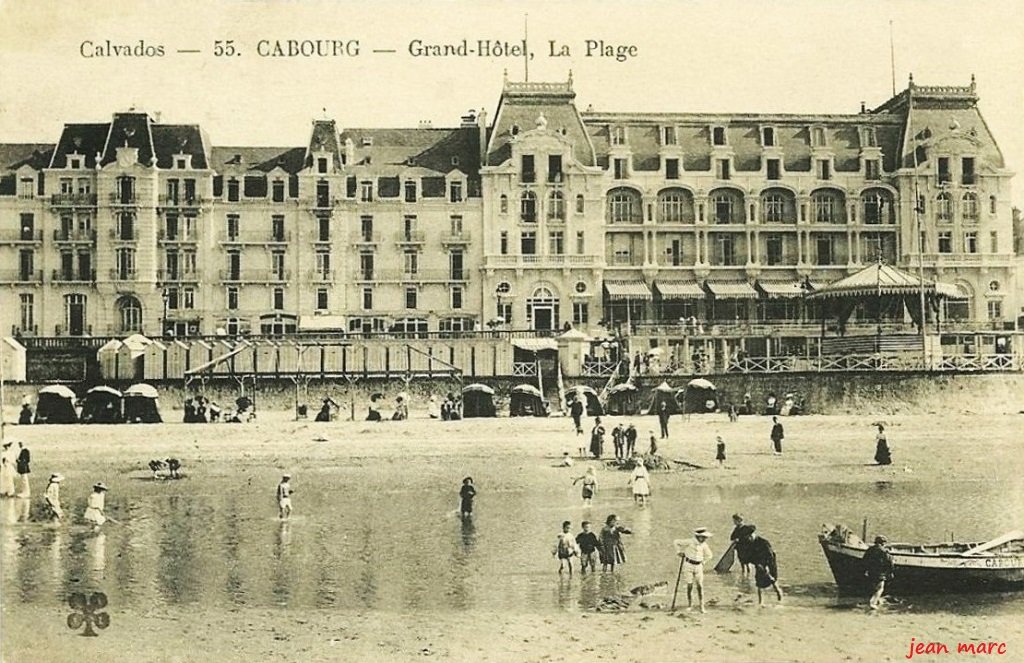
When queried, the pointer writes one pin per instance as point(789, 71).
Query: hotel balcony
point(123, 200)
point(409, 238)
point(366, 240)
point(964, 259)
point(540, 262)
point(177, 276)
point(325, 203)
point(120, 236)
point(177, 238)
point(181, 202)
point(73, 276)
point(456, 239)
point(73, 200)
point(254, 276)
point(19, 237)
point(419, 276)
point(15, 276)
point(124, 275)
point(321, 275)
point(87, 236)
point(255, 237)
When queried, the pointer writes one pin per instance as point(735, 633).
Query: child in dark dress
point(720, 451)
point(466, 495)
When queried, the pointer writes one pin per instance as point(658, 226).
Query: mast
point(918, 211)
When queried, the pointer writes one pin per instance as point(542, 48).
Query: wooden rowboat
point(996, 565)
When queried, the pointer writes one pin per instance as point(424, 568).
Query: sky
point(796, 56)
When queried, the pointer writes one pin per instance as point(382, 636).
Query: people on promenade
point(23, 467)
point(588, 545)
point(589, 479)
point(94, 510)
point(777, 435)
point(694, 553)
point(7, 471)
point(883, 456)
point(51, 498)
point(641, 482)
point(766, 568)
point(576, 410)
point(618, 441)
point(284, 497)
point(740, 534)
point(663, 416)
point(612, 550)
point(720, 450)
point(466, 495)
point(565, 547)
point(630, 439)
point(597, 439)
point(878, 567)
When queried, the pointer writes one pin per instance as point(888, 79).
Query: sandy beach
point(520, 455)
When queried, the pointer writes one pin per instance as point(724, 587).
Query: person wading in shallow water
point(766, 568)
point(589, 480)
point(588, 545)
point(466, 495)
point(694, 553)
point(878, 567)
point(612, 550)
point(94, 508)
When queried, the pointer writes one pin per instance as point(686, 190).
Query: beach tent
point(56, 405)
point(102, 405)
point(594, 408)
point(699, 396)
point(663, 393)
point(527, 401)
point(622, 400)
point(477, 401)
point(141, 405)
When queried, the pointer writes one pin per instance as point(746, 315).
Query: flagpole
point(920, 253)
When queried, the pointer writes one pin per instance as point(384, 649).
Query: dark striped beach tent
point(141, 404)
point(527, 401)
point(663, 393)
point(478, 401)
point(623, 400)
point(56, 405)
point(699, 396)
point(103, 405)
point(593, 403)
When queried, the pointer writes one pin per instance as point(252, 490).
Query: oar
point(996, 542)
point(679, 577)
point(728, 558)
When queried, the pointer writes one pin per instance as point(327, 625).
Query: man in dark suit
point(777, 436)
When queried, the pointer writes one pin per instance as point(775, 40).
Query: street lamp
point(163, 321)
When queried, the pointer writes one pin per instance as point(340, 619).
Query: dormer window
point(367, 141)
point(944, 174)
point(321, 165)
point(872, 169)
point(410, 191)
point(455, 161)
point(618, 135)
point(818, 137)
point(768, 136)
point(75, 163)
point(718, 136)
point(514, 130)
point(824, 169)
point(868, 137)
point(180, 164)
point(668, 136)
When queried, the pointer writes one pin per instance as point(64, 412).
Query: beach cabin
point(698, 397)
point(141, 404)
point(102, 405)
point(589, 397)
point(478, 401)
point(663, 393)
point(623, 400)
point(56, 405)
point(527, 401)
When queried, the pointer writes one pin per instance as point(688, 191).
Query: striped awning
point(627, 290)
point(535, 344)
point(732, 290)
point(776, 289)
point(679, 290)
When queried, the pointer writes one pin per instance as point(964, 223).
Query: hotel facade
point(545, 215)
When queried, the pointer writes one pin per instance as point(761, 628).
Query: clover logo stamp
point(88, 611)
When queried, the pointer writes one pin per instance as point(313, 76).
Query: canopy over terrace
point(625, 300)
point(886, 290)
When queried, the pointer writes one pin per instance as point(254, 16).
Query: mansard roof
point(15, 155)
point(258, 159)
point(388, 150)
point(131, 129)
point(520, 106)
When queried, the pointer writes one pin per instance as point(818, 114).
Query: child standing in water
point(51, 498)
point(589, 485)
point(466, 495)
point(565, 547)
point(720, 451)
point(94, 509)
point(588, 545)
point(284, 497)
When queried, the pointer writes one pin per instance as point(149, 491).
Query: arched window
point(131, 314)
point(878, 207)
point(503, 204)
point(970, 207)
point(528, 207)
point(624, 206)
point(675, 206)
point(727, 206)
point(827, 206)
point(556, 206)
point(944, 207)
point(579, 204)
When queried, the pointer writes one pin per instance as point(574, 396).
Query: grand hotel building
point(540, 216)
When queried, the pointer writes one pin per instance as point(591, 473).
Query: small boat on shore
point(996, 565)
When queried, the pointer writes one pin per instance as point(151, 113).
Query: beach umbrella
point(58, 390)
point(700, 383)
point(619, 388)
point(103, 389)
point(142, 390)
point(477, 388)
point(526, 389)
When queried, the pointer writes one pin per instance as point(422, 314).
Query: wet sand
point(520, 455)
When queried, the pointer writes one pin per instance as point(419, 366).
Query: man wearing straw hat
point(693, 554)
point(51, 498)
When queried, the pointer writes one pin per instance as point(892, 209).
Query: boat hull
point(924, 573)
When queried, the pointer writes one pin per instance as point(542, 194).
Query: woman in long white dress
point(97, 501)
point(6, 471)
point(641, 481)
point(52, 497)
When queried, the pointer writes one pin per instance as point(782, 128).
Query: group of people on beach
point(591, 547)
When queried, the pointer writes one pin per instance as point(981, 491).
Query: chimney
point(350, 152)
point(426, 124)
point(481, 123)
point(468, 120)
point(863, 108)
